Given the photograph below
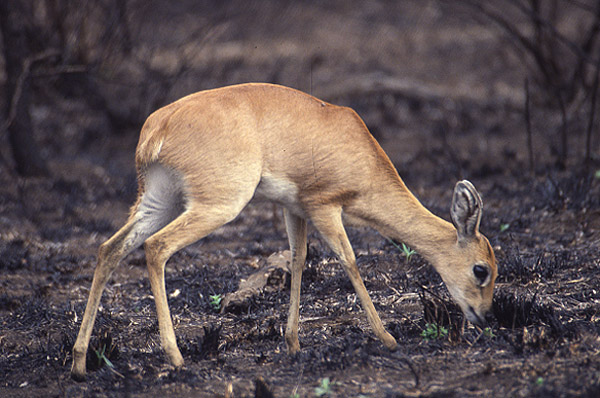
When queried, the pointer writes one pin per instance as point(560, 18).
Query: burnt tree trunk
point(14, 20)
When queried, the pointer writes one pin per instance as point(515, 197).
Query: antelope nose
point(476, 318)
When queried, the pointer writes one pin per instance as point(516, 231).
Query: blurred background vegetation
point(517, 79)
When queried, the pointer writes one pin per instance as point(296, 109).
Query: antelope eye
point(481, 273)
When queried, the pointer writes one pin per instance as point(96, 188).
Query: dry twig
point(27, 64)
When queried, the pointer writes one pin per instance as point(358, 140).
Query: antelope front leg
point(329, 223)
point(296, 230)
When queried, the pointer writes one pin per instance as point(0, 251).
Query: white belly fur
point(280, 191)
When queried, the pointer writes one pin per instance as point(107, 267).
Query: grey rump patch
point(162, 201)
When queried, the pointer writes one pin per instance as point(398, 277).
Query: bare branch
point(528, 126)
point(590, 126)
point(513, 32)
point(27, 63)
point(576, 49)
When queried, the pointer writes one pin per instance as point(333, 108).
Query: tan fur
point(209, 153)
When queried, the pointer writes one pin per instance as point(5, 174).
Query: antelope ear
point(466, 210)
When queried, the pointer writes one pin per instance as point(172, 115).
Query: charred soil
point(544, 227)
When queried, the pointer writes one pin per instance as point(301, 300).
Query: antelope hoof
point(390, 342)
point(293, 346)
point(78, 377)
point(176, 359)
point(77, 374)
point(78, 367)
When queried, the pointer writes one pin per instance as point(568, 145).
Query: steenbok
point(201, 159)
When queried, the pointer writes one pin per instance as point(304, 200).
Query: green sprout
point(407, 251)
point(324, 389)
point(488, 332)
point(102, 359)
point(504, 227)
point(539, 381)
point(597, 174)
point(215, 301)
point(433, 331)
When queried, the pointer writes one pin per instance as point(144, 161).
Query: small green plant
point(295, 395)
point(489, 333)
point(539, 381)
point(407, 251)
point(215, 301)
point(504, 227)
point(433, 331)
point(102, 359)
point(324, 389)
point(597, 174)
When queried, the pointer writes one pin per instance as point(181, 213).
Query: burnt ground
point(453, 111)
